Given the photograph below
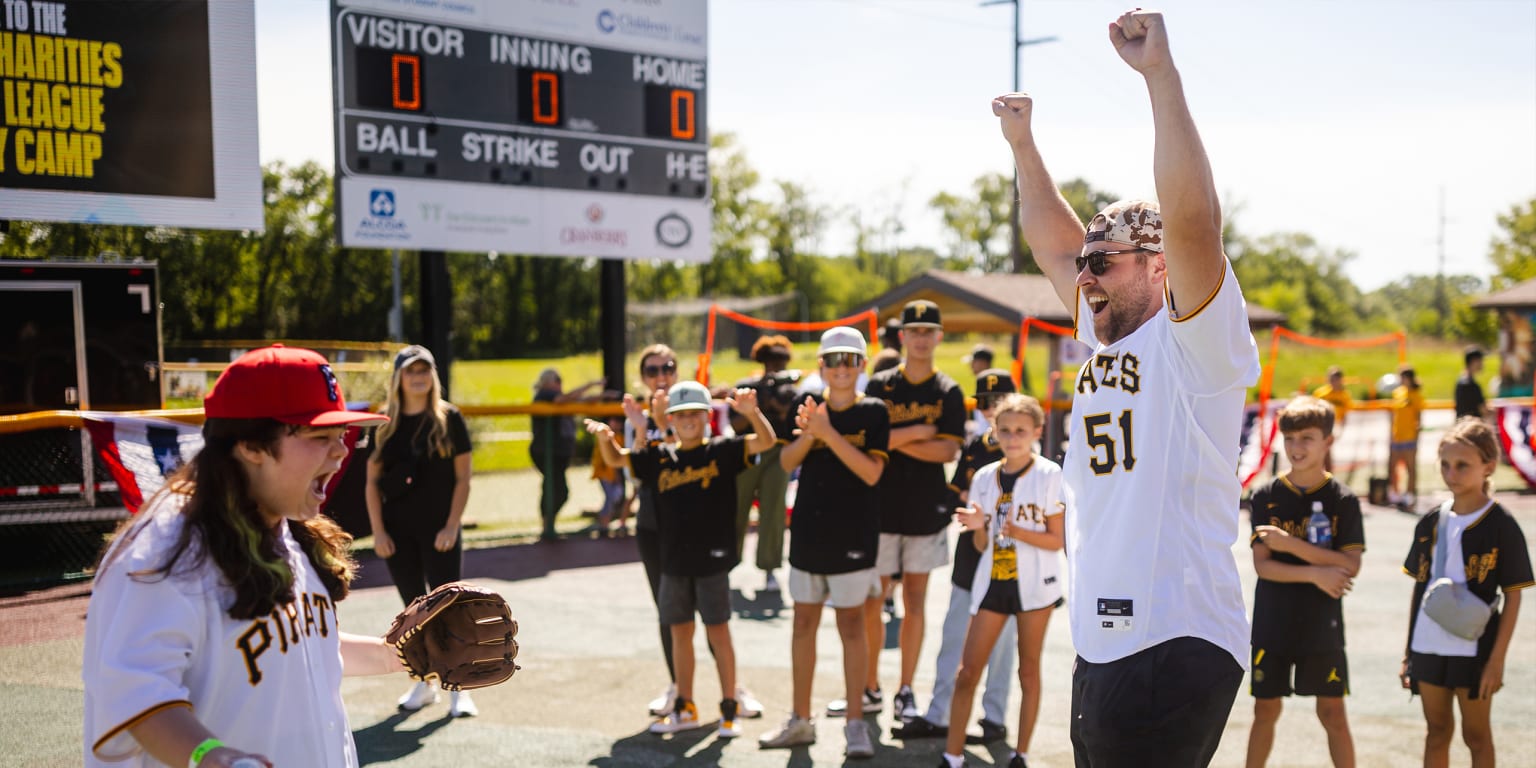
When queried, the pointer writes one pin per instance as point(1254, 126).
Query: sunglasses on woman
point(652, 371)
point(842, 359)
point(1098, 261)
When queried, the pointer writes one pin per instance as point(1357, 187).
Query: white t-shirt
point(270, 685)
point(1151, 478)
point(1036, 496)
point(1429, 636)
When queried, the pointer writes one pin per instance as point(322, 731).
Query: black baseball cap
point(921, 314)
point(994, 381)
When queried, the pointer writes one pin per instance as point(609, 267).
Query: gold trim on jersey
point(1168, 293)
point(135, 720)
point(1077, 304)
point(901, 370)
point(1285, 480)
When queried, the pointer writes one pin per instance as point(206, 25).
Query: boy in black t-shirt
point(834, 534)
point(1304, 570)
point(927, 428)
point(695, 486)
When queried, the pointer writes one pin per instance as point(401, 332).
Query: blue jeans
point(1000, 665)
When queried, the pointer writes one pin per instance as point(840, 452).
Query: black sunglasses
point(842, 359)
point(656, 370)
point(1098, 261)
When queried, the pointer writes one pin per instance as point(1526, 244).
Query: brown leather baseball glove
point(463, 635)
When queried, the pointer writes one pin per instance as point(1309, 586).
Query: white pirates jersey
point(1036, 495)
point(270, 685)
point(1151, 476)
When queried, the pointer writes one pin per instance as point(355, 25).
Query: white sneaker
point(747, 705)
point(729, 729)
point(859, 745)
point(684, 718)
point(793, 733)
point(661, 706)
point(461, 705)
point(1394, 498)
point(420, 695)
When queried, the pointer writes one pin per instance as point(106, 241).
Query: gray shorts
point(840, 590)
point(681, 596)
point(900, 553)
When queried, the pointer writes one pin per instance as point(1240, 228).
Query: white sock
point(955, 761)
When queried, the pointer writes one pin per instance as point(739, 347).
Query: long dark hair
point(222, 517)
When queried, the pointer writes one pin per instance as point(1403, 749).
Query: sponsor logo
point(381, 203)
point(594, 214)
point(633, 25)
point(381, 223)
point(673, 231)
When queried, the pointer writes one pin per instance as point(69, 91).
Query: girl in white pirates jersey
point(212, 637)
point(1016, 518)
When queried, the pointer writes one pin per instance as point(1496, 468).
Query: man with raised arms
point(1156, 606)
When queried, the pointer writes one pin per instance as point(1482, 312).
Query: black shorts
point(1315, 674)
point(681, 596)
point(1446, 671)
point(1166, 705)
point(1003, 597)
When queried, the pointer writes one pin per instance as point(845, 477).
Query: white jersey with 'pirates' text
point(1151, 480)
point(270, 685)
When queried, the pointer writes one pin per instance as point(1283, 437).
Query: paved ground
point(591, 660)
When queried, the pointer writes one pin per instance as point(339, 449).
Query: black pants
point(417, 568)
point(555, 489)
point(1164, 706)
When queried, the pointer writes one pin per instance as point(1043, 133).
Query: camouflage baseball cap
point(1137, 222)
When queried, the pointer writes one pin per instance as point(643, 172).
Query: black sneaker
point(1018, 762)
point(990, 732)
point(919, 728)
point(904, 704)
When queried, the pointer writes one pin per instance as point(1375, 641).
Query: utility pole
point(1442, 303)
point(1015, 242)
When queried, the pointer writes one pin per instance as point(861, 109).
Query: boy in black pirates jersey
point(834, 533)
point(695, 486)
point(927, 427)
point(980, 450)
point(1305, 565)
point(1156, 603)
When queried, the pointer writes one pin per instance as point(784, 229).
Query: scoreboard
point(551, 127)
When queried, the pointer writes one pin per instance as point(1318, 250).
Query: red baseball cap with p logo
point(286, 384)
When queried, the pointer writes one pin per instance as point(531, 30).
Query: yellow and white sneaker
point(683, 717)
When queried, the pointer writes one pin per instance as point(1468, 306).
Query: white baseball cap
point(687, 396)
point(842, 339)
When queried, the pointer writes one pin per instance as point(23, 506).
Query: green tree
point(1291, 273)
point(1513, 252)
point(978, 223)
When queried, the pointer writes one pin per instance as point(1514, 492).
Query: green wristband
point(201, 751)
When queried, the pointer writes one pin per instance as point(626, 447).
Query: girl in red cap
point(218, 600)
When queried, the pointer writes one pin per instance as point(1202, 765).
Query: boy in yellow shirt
point(1407, 405)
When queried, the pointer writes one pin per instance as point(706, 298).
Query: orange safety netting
point(1049, 400)
point(1267, 379)
point(715, 310)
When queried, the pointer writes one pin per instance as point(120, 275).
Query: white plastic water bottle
point(1319, 527)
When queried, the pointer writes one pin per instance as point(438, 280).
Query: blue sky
point(1342, 120)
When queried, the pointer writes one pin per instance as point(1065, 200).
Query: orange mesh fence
point(869, 316)
point(1267, 426)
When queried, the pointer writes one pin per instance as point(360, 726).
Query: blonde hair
point(1015, 402)
point(438, 439)
point(1475, 433)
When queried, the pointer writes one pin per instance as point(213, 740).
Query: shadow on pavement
point(382, 742)
point(516, 562)
point(645, 747)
